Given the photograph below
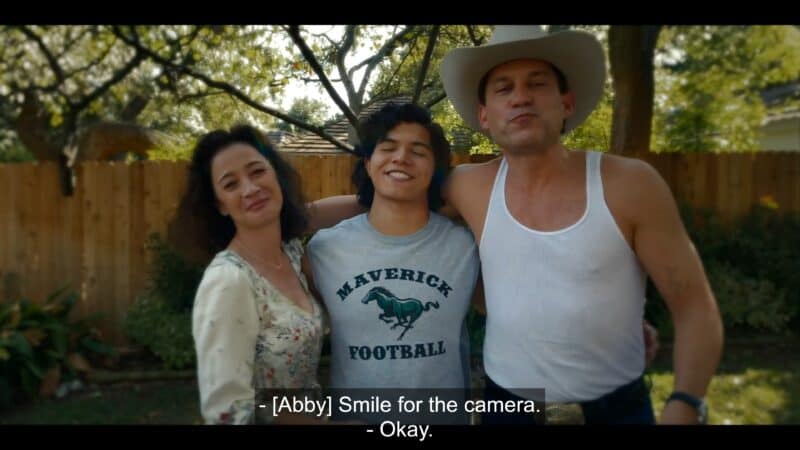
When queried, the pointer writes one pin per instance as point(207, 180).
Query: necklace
point(254, 258)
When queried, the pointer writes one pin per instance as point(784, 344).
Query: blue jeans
point(628, 404)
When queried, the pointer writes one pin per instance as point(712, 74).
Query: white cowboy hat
point(577, 54)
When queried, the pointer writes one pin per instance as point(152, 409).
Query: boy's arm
point(327, 212)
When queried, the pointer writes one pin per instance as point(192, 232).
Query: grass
point(173, 403)
point(755, 384)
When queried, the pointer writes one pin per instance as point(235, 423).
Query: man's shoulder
point(486, 168)
point(632, 185)
point(453, 232)
point(627, 168)
point(468, 180)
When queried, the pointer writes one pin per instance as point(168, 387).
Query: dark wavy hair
point(374, 128)
point(198, 221)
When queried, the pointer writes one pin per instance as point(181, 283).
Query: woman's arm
point(225, 328)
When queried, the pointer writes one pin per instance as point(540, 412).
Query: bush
point(11, 149)
point(748, 304)
point(39, 344)
point(165, 332)
point(751, 266)
point(161, 319)
point(173, 278)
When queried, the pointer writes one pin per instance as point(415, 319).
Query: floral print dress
point(249, 336)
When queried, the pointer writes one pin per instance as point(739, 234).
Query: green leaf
point(98, 347)
point(60, 340)
point(56, 294)
point(30, 383)
point(35, 369)
point(20, 345)
point(5, 313)
point(14, 316)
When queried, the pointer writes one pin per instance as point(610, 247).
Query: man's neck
point(536, 168)
point(398, 218)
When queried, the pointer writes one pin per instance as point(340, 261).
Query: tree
point(307, 110)
point(631, 50)
point(181, 79)
point(56, 76)
point(696, 88)
point(710, 84)
point(401, 76)
point(71, 85)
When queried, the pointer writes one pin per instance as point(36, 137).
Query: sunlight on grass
point(751, 397)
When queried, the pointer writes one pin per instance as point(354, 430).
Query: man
point(398, 281)
point(567, 238)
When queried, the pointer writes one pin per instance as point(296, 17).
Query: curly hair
point(374, 128)
point(200, 224)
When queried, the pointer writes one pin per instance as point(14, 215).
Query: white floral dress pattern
point(249, 336)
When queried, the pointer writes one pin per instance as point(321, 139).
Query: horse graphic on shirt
point(405, 311)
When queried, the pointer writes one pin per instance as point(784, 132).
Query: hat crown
point(577, 54)
point(513, 33)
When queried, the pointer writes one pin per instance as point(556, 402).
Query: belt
point(621, 400)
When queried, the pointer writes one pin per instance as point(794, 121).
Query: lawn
point(757, 383)
point(167, 402)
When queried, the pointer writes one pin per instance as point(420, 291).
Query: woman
point(255, 324)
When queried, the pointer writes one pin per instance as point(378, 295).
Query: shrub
point(161, 319)
point(173, 278)
point(751, 266)
point(165, 332)
point(38, 344)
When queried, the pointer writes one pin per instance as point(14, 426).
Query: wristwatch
point(694, 402)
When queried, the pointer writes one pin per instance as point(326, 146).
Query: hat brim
point(577, 54)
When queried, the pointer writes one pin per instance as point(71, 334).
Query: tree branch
point(198, 95)
point(388, 83)
point(294, 33)
point(116, 78)
point(476, 41)
point(340, 53)
point(51, 60)
point(68, 43)
point(436, 100)
point(385, 50)
point(426, 60)
point(233, 91)
point(93, 63)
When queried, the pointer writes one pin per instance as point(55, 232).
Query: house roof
point(307, 142)
point(278, 137)
point(786, 115)
point(776, 95)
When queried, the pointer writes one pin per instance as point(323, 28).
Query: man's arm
point(466, 194)
point(327, 212)
point(669, 257)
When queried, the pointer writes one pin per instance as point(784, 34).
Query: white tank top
point(564, 307)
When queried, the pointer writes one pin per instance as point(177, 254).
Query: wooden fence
point(95, 240)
